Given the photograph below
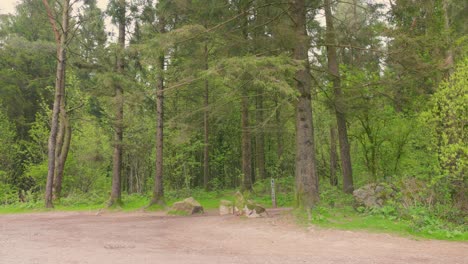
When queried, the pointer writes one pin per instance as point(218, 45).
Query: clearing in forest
point(78, 237)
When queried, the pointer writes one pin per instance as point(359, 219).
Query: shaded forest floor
point(153, 237)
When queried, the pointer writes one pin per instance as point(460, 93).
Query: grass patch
point(179, 213)
point(346, 219)
point(334, 211)
point(133, 202)
point(20, 210)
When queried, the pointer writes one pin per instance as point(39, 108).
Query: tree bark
point(449, 60)
point(158, 191)
point(307, 194)
point(206, 148)
point(63, 143)
point(333, 157)
point(116, 192)
point(63, 147)
point(279, 135)
point(58, 97)
point(260, 139)
point(245, 122)
point(246, 145)
point(333, 68)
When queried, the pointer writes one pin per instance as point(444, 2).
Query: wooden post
point(273, 194)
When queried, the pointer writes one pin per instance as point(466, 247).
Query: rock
point(247, 207)
point(239, 203)
point(189, 206)
point(253, 210)
point(226, 207)
point(373, 195)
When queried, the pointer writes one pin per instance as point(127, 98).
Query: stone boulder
point(373, 195)
point(226, 207)
point(253, 210)
point(239, 202)
point(247, 207)
point(188, 206)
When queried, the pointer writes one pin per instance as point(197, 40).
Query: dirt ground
point(133, 238)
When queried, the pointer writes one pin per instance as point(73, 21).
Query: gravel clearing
point(140, 237)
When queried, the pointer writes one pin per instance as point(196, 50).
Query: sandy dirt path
point(134, 238)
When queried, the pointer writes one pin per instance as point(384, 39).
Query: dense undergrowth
point(335, 210)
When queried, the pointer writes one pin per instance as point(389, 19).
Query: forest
point(150, 101)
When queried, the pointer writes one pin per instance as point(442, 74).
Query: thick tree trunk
point(59, 88)
point(247, 175)
point(206, 148)
point(63, 147)
point(260, 139)
point(333, 68)
point(348, 186)
point(307, 194)
point(116, 192)
point(63, 143)
point(333, 157)
point(53, 137)
point(258, 32)
point(246, 145)
point(158, 191)
point(279, 135)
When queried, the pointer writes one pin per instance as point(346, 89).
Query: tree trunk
point(59, 145)
point(279, 135)
point(246, 145)
point(449, 60)
point(158, 191)
point(333, 68)
point(206, 148)
point(116, 193)
point(63, 147)
point(59, 81)
point(345, 155)
point(307, 194)
point(260, 139)
point(333, 157)
point(245, 122)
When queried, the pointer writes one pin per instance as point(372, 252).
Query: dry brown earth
point(132, 238)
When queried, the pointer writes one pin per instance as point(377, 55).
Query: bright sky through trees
point(8, 6)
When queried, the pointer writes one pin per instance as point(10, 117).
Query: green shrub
point(8, 194)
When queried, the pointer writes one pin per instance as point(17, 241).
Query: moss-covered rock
point(248, 208)
point(374, 195)
point(188, 206)
point(253, 209)
point(226, 207)
point(239, 202)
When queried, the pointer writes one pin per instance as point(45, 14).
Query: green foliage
point(38, 172)
point(336, 210)
point(392, 63)
point(8, 194)
point(8, 148)
point(284, 190)
point(447, 118)
point(269, 73)
point(446, 126)
point(181, 164)
point(25, 70)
